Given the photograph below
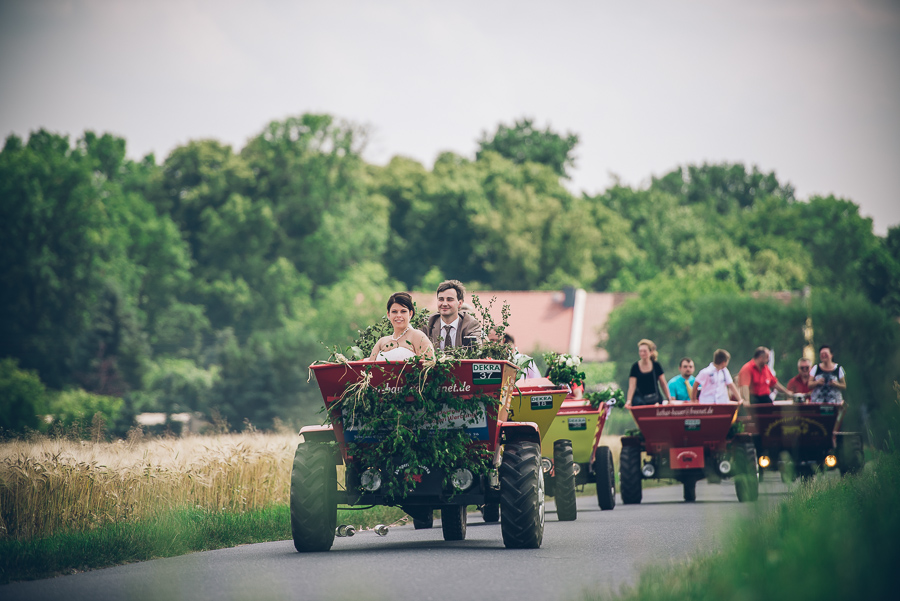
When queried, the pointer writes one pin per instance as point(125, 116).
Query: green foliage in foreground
point(832, 539)
point(170, 534)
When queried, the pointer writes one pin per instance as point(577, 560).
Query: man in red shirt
point(757, 380)
point(799, 384)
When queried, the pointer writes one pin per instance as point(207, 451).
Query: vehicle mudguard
point(320, 434)
point(520, 431)
point(632, 441)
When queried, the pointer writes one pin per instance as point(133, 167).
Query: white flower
point(577, 360)
point(570, 362)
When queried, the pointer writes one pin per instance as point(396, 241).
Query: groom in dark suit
point(449, 327)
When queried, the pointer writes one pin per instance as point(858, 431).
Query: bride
point(406, 341)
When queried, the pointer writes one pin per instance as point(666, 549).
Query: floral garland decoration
point(563, 369)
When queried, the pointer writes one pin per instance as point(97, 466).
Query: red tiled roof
point(539, 321)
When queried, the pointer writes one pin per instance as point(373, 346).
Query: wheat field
point(53, 484)
point(50, 484)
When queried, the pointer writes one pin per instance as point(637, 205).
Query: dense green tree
point(23, 397)
point(51, 222)
point(524, 143)
point(310, 170)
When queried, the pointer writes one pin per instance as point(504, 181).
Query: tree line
point(209, 281)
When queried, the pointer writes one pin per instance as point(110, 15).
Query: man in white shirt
point(450, 327)
point(714, 381)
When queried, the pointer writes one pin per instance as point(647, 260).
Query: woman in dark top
point(646, 379)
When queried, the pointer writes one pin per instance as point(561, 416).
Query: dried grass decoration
point(398, 424)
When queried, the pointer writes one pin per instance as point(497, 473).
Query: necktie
point(447, 341)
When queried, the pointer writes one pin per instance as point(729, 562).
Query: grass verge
point(172, 533)
point(832, 539)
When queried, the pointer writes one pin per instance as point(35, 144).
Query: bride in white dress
point(406, 341)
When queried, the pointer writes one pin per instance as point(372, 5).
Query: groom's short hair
point(456, 285)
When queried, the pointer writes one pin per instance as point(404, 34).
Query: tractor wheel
point(491, 512)
point(850, 453)
point(605, 475)
point(630, 475)
point(564, 485)
point(522, 496)
point(746, 479)
point(424, 524)
point(453, 522)
point(690, 490)
point(313, 498)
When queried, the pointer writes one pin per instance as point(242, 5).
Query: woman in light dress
point(826, 380)
point(406, 341)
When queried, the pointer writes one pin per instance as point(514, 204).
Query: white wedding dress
point(395, 354)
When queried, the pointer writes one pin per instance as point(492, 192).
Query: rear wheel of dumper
point(313, 497)
point(453, 522)
point(605, 474)
point(850, 453)
point(564, 476)
point(690, 489)
point(522, 496)
point(746, 479)
point(491, 512)
point(630, 475)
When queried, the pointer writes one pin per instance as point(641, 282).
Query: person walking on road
point(680, 386)
point(714, 381)
point(647, 378)
point(826, 379)
point(757, 380)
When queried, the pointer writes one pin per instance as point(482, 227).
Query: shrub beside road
point(831, 538)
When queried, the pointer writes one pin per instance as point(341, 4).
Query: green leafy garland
point(396, 428)
point(605, 395)
point(396, 431)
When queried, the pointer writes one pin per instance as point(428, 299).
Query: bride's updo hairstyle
point(404, 299)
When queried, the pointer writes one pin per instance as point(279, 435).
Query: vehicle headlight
point(546, 464)
point(831, 461)
point(576, 468)
point(764, 461)
point(370, 479)
point(462, 479)
point(648, 470)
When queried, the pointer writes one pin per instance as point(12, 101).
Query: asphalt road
point(600, 551)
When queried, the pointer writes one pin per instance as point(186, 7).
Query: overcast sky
point(810, 90)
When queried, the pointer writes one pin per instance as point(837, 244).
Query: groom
point(448, 327)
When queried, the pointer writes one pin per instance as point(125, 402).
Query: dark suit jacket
point(468, 326)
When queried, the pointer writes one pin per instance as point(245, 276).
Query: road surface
point(600, 551)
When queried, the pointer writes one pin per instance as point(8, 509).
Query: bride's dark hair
point(404, 299)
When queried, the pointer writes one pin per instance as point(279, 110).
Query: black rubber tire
point(424, 524)
point(491, 512)
point(850, 453)
point(313, 497)
point(605, 476)
point(630, 475)
point(564, 481)
point(453, 522)
point(746, 478)
point(522, 496)
point(690, 490)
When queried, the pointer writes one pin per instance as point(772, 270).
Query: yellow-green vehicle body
point(579, 422)
point(537, 400)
